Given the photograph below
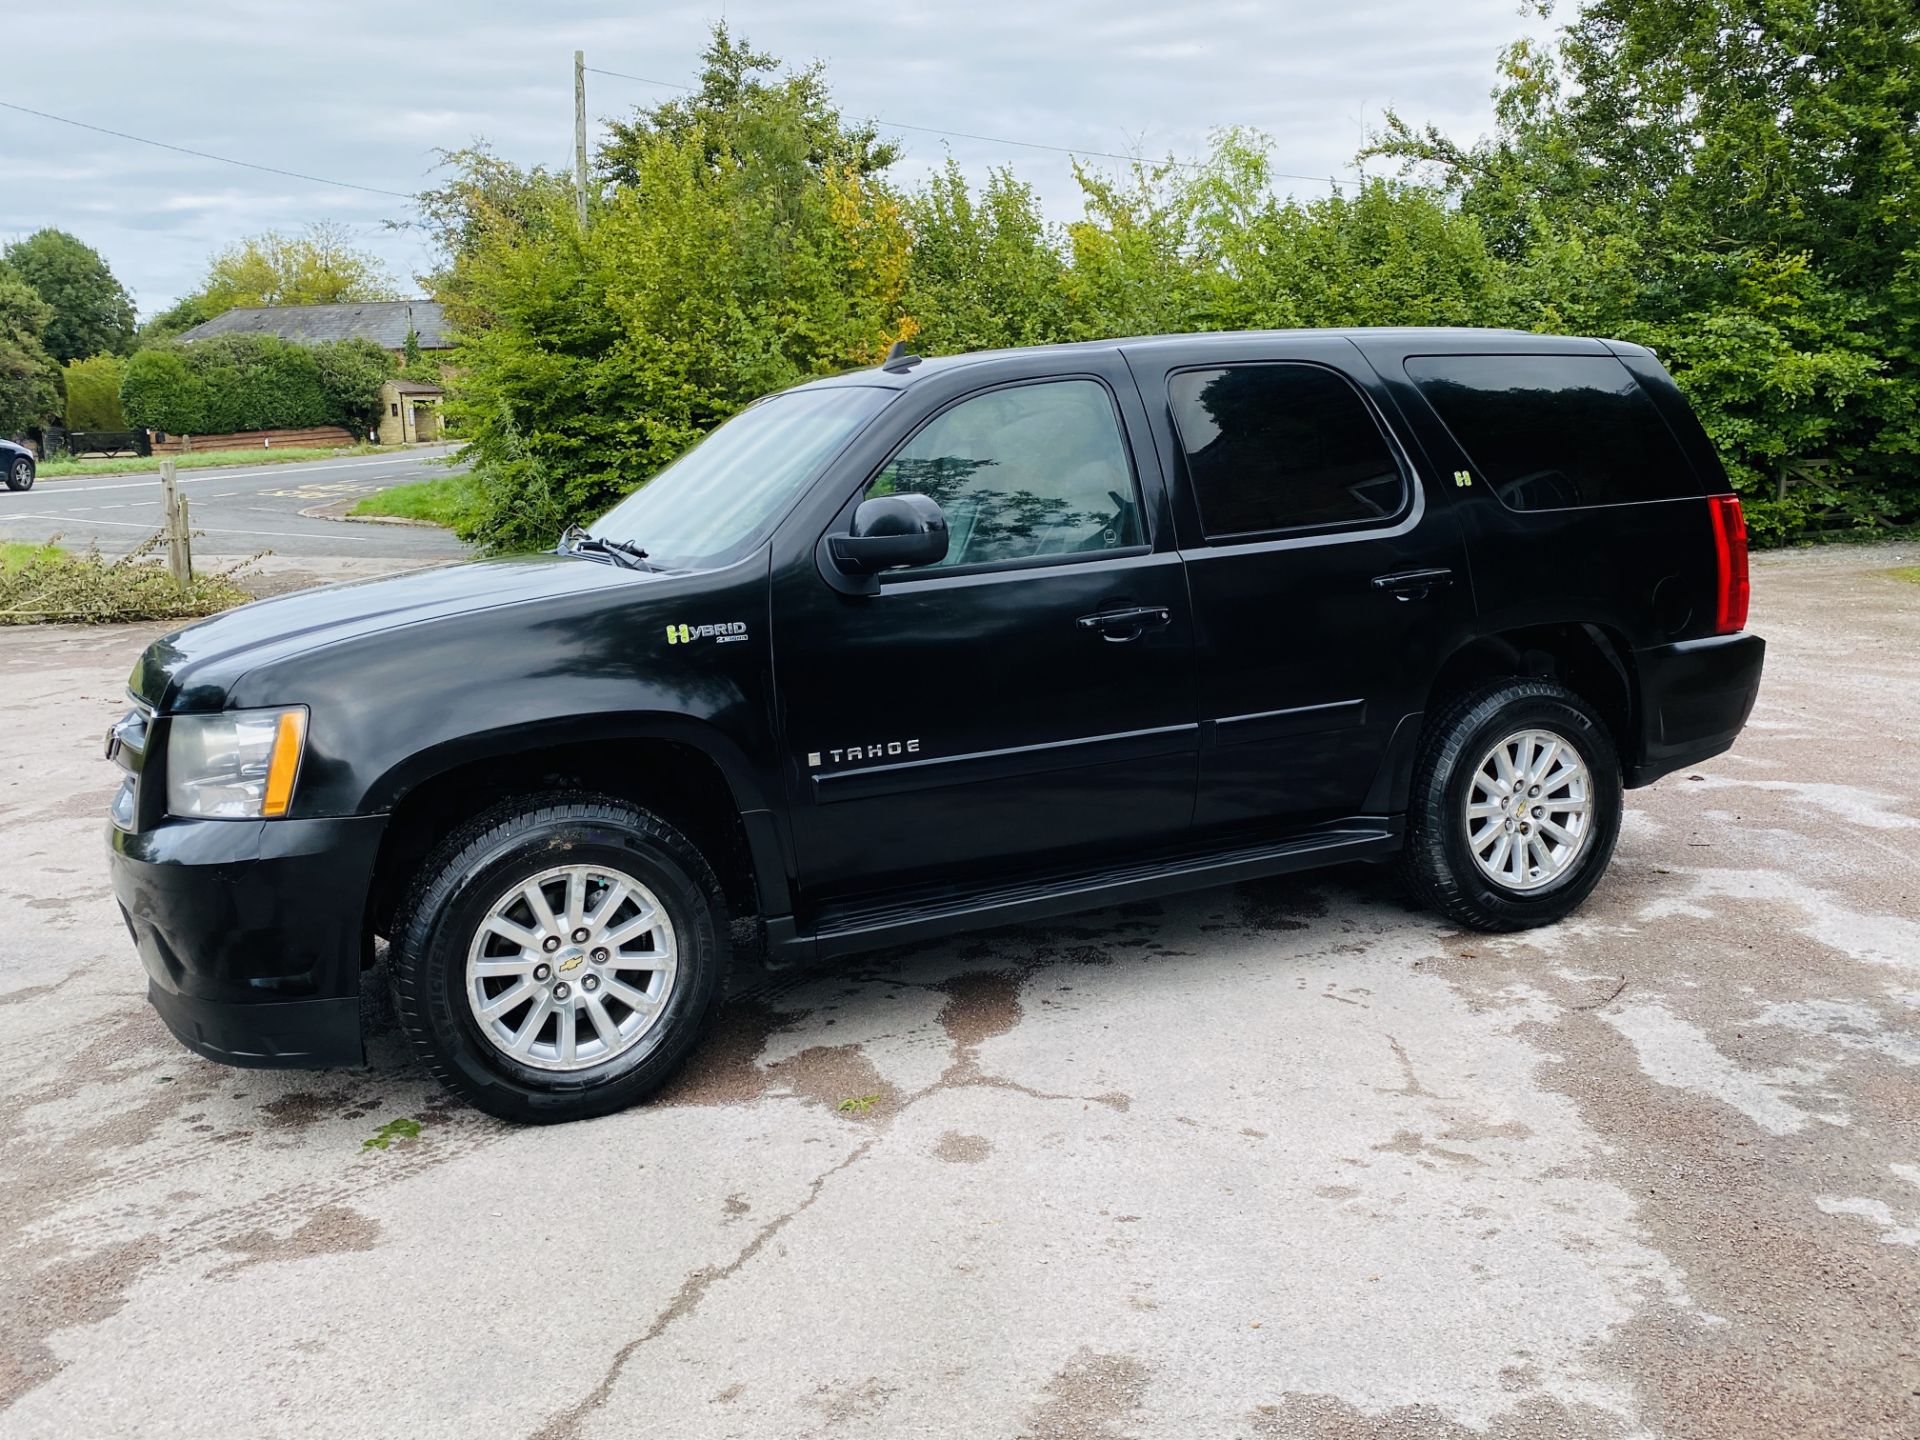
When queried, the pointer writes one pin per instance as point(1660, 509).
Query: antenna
point(898, 361)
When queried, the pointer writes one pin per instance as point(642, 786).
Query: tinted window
point(1281, 447)
point(1023, 473)
point(719, 499)
point(1552, 431)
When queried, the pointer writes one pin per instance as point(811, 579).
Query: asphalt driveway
point(239, 510)
point(1282, 1160)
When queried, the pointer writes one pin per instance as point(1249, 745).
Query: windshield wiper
point(575, 540)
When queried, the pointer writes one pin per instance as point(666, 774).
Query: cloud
point(366, 93)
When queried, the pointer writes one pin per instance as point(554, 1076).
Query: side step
point(868, 925)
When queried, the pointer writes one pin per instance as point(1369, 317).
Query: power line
point(205, 155)
point(983, 139)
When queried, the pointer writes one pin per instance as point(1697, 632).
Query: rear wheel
point(558, 957)
point(1515, 806)
point(20, 473)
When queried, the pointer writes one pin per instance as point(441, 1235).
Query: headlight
point(239, 765)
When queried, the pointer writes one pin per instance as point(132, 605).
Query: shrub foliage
point(253, 382)
point(1735, 183)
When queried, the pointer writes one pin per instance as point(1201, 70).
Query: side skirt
point(847, 929)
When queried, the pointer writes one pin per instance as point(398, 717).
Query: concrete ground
point(1284, 1160)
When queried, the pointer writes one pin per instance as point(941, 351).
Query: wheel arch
point(1593, 661)
point(685, 771)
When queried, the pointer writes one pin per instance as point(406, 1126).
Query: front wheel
point(558, 957)
point(20, 473)
point(1515, 806)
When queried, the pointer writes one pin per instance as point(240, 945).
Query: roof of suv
point(1413, 337)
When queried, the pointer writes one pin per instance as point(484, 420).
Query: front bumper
point(253, 933)
point(1694, 698)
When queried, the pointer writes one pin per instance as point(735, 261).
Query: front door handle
point(1128, 624)
point(1413, 584)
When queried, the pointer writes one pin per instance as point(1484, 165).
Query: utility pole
point(580, 134)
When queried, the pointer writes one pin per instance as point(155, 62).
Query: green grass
point(443, 500)
point(211, 460)
point(16, 553)
point(1908, 573)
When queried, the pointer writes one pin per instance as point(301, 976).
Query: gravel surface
point(1283, 1160)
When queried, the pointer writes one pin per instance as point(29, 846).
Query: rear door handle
point(1128, 624)
point(1413, 584)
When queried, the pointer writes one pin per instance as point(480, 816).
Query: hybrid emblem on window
point(722, 634)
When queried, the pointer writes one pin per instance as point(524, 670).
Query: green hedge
point(93, 393)
point(253, 382)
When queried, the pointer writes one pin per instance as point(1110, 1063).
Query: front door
point(1026, 703)
point(1328, 581)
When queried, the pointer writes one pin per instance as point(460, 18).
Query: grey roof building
point(385, 322)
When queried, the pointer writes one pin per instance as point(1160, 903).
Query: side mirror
point(890, 531)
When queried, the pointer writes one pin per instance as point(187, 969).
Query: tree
point(176, 319)
point(93, 393)
point(317, 267)
point(1746, 174)
point(984, 271)
point(786, 128)
point(711, 274)
point(91, 312)
point(29, 378)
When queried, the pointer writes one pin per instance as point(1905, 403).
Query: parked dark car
point(17, 464)
point(932, 647)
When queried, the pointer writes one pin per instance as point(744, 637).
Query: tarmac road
point(1284, 1160)
point(238, 511)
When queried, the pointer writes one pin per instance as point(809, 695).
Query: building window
point(396, 407)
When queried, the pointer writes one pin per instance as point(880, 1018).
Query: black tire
point(20, 473)
point(1437, 863)
point(452, 896)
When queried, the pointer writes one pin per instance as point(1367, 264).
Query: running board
point(850, 928)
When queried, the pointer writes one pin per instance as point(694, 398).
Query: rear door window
point(1551, 432)
point(1282, 446)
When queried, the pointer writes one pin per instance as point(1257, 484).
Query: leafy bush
point(46, 583)
point(351, 373)
point(1736, 185)
point(254, 382)
point(162, 392)
point(93, 393)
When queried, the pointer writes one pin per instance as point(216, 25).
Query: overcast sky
point(366, 92)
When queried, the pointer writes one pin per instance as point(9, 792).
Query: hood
point(194, 668)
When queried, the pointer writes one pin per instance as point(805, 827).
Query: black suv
point(937, 646)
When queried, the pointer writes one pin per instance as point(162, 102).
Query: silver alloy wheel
point(22, 474)
point(571, 968)
point(1529, 810)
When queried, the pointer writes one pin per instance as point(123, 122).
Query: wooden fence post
point(174, 509)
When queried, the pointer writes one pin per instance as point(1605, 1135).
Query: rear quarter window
point(1552, 432)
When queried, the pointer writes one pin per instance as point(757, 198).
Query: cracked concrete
point(1287, 1160)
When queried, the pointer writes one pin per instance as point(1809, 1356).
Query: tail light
point(1731, 589)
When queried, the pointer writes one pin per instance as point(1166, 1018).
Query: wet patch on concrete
point(331, 1230)
point(1325, 1417)
point(1093, 1397)
point(958, 1149)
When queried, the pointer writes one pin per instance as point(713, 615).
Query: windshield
point(717, 501)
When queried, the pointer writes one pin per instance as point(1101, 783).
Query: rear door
point(1026, 703)
point(1328, 575)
